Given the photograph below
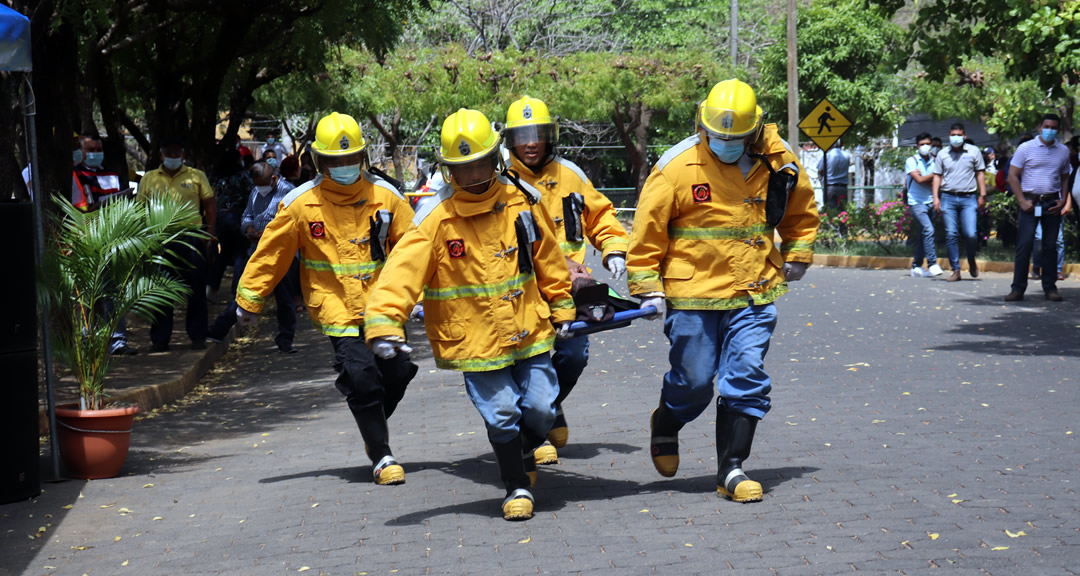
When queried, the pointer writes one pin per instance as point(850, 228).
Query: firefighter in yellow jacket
point(703, 242)
point(580, 213)
point(496, 295)
point(344, 223)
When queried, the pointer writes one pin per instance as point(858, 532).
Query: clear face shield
point(474, 177)
point(533, 143)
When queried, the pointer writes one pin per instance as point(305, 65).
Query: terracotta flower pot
point(94, 443)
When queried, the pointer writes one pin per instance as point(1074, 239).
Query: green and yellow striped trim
point(501, 361)
point(337, 330)
point(729, 303)
point(478, 290)
point(797, 246)
point(380, 320)
point(249, 295)
point(722, 233)
point(614, 242)
point(571, 247)
point(562, 304)
point(641, 277)
point(342, 269)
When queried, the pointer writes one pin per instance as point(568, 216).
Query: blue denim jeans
point(1025, 238)
point(959, 213)
point(726, 345)
point(570, 358)
point(1036, 249)
point(924, 241)
point(516, 399)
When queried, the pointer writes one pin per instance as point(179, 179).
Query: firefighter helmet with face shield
point(528, 121)
point(469, 151)
point(339, 144)
point(730, 112)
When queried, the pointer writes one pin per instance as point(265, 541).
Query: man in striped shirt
point(1039, 177)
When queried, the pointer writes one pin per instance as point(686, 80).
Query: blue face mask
point(1049, 134)
point(94, 159)
point(76, 156)
point(270, 141)
point(272, 162)
point(956, 141)
point(345, 175)
point(727, 151)
point(171, 163)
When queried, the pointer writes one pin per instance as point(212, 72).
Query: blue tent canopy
point(14, 40)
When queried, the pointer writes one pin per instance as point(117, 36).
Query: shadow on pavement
point(23, 537)
point(1019, 330)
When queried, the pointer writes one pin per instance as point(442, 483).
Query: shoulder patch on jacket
point(300, 190)
point(525, 187)
point(377, 181)
point(573, 168)
point(428, 205)
point(679, 148)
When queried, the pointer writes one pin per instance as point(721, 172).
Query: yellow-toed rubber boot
point(560, 432)
point(739, 488)
point(518, 505)
point(664, 441)
point(546, 454)
point(388, 472)
point(734, 438)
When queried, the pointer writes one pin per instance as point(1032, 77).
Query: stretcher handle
point(619, 317)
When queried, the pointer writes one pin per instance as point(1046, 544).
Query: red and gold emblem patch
point(456, 248)
point(701, 193)
point(318, 230)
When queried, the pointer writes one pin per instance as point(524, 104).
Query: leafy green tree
point(841, 44)
point(1035, 40)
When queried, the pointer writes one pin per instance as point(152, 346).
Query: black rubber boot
point(374, 430)
point(734, 438)
point(664, 442)
point(518, 504)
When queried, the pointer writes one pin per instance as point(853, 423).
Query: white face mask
point(924, 149)
point(264, 190)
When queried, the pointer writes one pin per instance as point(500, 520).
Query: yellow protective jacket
point(576, 207)
point(700, 234)
point(482, 310)
point(336, 229)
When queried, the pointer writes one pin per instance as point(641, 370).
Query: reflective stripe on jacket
point(557, 181)
point(483, 308)
point(700, 235)
point(331, 227)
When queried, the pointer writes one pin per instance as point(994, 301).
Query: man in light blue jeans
point(959, 190)
point(920, 199)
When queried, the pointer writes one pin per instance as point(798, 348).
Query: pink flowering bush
point(886, 224)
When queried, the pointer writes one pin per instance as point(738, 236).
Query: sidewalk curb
point(157, 395)
point(904, 263)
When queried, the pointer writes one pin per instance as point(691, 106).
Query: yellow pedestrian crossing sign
point(825, 124)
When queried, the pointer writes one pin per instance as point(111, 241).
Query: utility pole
point(733, 38)
point(792, 77)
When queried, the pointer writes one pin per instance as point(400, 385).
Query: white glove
point(417, 310)
point(658, 303)
point(387, 349)
point(563, 332)
point(794, 271)
point(616, 265)
point(245, 318)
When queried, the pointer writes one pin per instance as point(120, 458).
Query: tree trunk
point(632, 124)
point(105, 83)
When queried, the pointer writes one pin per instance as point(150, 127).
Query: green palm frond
point(118, 254)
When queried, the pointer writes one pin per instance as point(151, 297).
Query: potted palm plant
point(100, 266)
